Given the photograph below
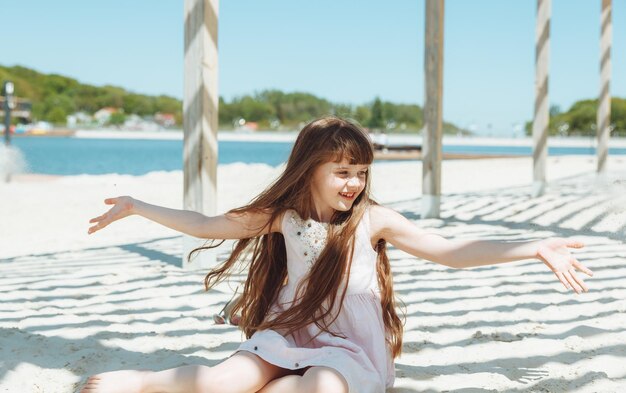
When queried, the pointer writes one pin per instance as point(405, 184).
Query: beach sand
point(75, 304)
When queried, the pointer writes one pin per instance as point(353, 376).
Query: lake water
point(74, 156)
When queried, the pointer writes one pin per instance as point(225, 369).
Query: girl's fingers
point(99, 218)
point(101, 223)
point(98, 226)
point(105, 219)
point(561, 278)
point(572, 281)
point(96, 219)
point(581, 267)
point(579, 281)
point(575, 244)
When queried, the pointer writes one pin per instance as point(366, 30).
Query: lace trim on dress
point(312, 236)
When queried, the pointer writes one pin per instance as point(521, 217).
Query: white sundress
point(363, 357)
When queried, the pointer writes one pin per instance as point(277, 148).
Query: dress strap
point(284, 222)
point(364, 231)
point(365, 222)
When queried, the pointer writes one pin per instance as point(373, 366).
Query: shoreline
point(27, 177)
point(394, 139)
point(617, 163)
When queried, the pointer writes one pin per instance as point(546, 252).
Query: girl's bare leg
point(241, 373)
point(314, 380)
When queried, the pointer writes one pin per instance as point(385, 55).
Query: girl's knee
point(241, 373)
point(221, 380)
point(324, 380)
point(209, 380)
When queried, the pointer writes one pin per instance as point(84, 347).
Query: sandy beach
point(75, 304)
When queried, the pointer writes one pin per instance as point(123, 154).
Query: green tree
point(406, 117)
point(56, 106)
point(117, 119)
point(167, 104)
point(87, 98)
point(362, 114)
point(57, 116)
point(580, 119)
point(48, 92)
point(555, 110)
point(138, 104)
point(377, 119)
point(343, 110)
point(110, 96)
point(618, 116)
point(57, 84)
point(254, 110)
point(276, 99)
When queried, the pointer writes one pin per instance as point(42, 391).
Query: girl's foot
point(123, 381)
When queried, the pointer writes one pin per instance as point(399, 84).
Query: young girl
point(318, 306)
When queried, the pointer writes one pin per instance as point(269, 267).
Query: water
point(73, 156)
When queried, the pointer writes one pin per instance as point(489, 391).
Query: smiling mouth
point(348, 195)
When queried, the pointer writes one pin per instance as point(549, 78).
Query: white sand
point(73, 305)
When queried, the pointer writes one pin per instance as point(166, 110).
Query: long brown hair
point(265, 258)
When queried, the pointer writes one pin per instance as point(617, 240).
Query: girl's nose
point(353, 182)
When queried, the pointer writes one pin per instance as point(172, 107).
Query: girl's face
point(335, 186)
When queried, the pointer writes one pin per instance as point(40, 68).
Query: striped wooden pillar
point(604, 101)
point(200, 118)
point(542, 109)
point(431, 141)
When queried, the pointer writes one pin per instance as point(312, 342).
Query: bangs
point(352, 145)
point(329, 139)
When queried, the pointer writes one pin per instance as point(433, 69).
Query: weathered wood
point(433, 79)
point(604, 105)
point(200, 117)
point(542, 109)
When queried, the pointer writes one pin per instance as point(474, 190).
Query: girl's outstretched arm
point(403, 234)
point(226, 226)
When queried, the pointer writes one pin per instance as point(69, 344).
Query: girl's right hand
point(122, 207)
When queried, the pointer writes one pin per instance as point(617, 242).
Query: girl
point(317, 307)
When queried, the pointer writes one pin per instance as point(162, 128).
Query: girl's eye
point(343, 173)
point(362, 173)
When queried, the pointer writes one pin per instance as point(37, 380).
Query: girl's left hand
point(555, 254)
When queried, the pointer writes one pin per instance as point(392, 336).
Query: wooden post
point(200, 118)
point(433, 76)
point(604, 101)
point(542, 109)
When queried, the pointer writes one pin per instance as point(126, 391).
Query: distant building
point(246, 126)
point(103, 115)
point(79, 119)
point(251, 125)
point(165, 119)
point(136, 123)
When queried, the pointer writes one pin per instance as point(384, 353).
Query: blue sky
point(343, 50)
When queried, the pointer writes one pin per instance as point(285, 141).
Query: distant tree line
point(580, 119)
point(274, 109)
point(54, 97)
